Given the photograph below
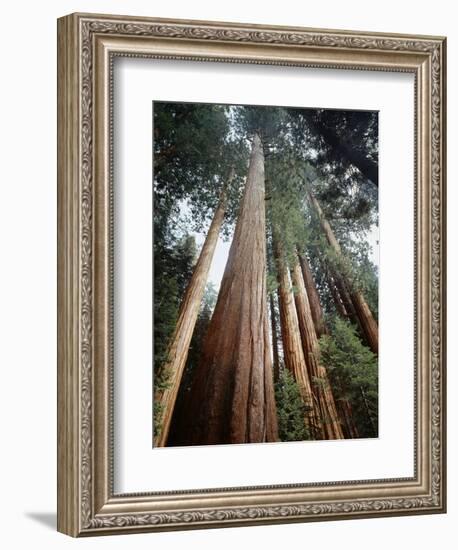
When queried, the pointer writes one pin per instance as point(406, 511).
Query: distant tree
point(352, 368)
point(293, 351)
point(341, 270)
point(321, 388)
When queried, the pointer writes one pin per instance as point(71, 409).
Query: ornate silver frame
point(87, 44)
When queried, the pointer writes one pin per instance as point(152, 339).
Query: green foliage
point(353, 373)
point(291, 410)
point(195, 152)
point(285, 207)
point(268, 122)
point(173, 266)
point(324, 137)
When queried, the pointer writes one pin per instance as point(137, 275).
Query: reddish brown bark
point(346, 311)
point(273, 323)
point(340, 306)
point(317, 372)
point(232, 393)
point(346, 415)
point(313, 296)
point(292, 345)
point(367, 322)
point(177, 353)
point(342, 298)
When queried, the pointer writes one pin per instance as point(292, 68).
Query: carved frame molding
point(87, 45)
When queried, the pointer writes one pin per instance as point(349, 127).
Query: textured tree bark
point(273, 322)
point(340, 306)
point(313, 296)
point(346, 311)
point(346, 415)
point(317, 372)
point(367, 322)
point(292, 346)
point(232, 394)
point(187, 316)
point(343, 298)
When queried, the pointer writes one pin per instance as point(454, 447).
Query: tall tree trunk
point(346, 311)
point(317, 372)
point(367, 322)
point(233, 393)
point(273, 321)
point(177, 352)
point(343, 299)
point(293, 352)
point(313, 296)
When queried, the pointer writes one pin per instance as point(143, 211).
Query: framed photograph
point(251, 288)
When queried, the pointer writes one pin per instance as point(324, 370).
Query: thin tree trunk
point(273, 321)
point(342, 295)
point(177, 352)
point(367, 322)
point(317, 372)
point(313, 296)
point(346, 311)
point(232, 394)
point(346, 415)
point(293, 352)
point(340, 306)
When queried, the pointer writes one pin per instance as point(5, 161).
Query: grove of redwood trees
point(288, 348)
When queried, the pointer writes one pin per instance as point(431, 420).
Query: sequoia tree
point(273, 322)
point(294, 357)
point(232, 393)
point(353, 371)
point(367, 322)
point(177, 352)
point(317, 372)
point(313, 296)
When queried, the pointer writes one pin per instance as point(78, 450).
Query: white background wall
point(28, 273)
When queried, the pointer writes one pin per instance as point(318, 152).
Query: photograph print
point(266, 268)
